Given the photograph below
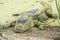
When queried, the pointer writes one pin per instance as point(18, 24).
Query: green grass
point(58, 6)
point(58, 9)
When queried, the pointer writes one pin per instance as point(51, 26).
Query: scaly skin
point(23, 23)
point(34, 19)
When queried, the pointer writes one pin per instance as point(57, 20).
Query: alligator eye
point(16, 14)
point(31, 12)
point(22, 20)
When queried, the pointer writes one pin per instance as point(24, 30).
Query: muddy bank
point(33, 34)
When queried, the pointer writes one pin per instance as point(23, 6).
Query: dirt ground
point(50, 33)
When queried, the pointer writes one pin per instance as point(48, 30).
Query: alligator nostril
point(18, 29)
point(16, 14)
